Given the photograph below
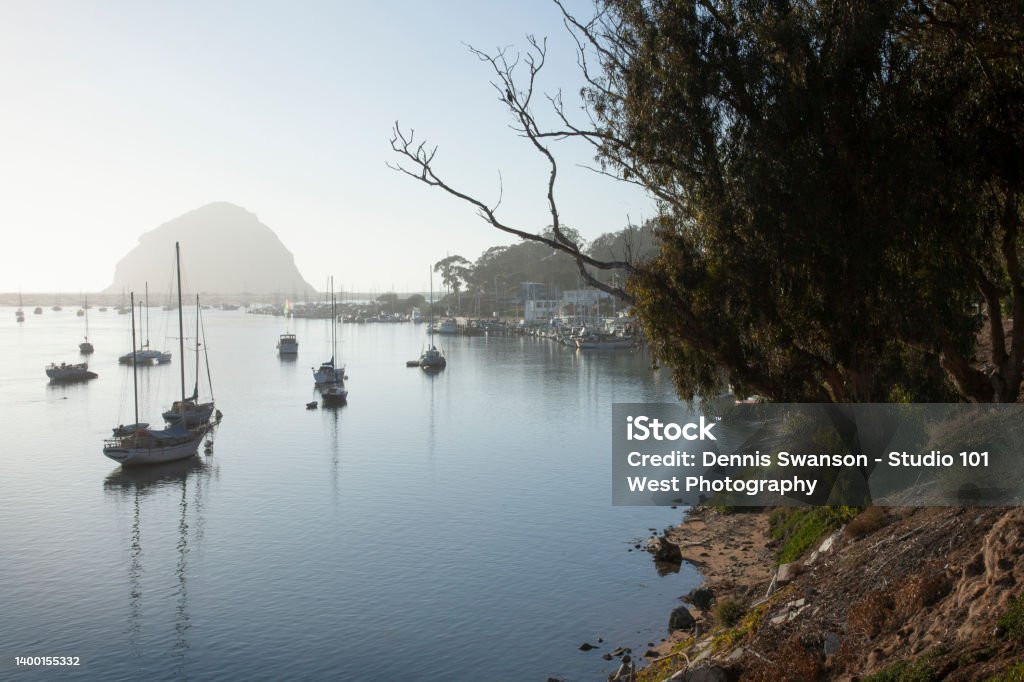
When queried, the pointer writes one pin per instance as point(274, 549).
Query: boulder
point(831, 643)
point(710, 673)
point(665, 551)
point(785, 574)
point(702, 598)
point(681, 619)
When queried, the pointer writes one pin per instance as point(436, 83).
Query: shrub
point(904, 671)
point(728, 612)
point(1012, 622)
point(1015, 673)
point(793, 662)
point(868, 521)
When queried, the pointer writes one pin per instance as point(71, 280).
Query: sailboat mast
point(86, 318)
point(145, 332)
point(181, 328)
point(135, 367)
point(334, 329)
point(197, 350)
point(431, 307)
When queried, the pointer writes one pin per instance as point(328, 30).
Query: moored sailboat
point(86, 348)
point(190, 411)
point(327, 372)
point(139, 444)
point(335, 392)
point(432, 358)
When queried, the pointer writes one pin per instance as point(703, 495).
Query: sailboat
point(335, 393)
point(139, 444)
point(145, 354)
point(19, 314)
point(192, 412)
point(86, 348)
point(56, 307)
point(328, 373)
point(432, 358)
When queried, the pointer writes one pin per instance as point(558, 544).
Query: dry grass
point(867, 522)
point(792, 662)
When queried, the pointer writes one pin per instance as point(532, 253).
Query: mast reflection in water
point(152, 488)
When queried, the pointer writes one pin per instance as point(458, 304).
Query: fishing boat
point(334, 393)
point(432, 358)
point(190, 411)
point(86, 348)
point(143, 445)
point(287, 344)
point(69, 372)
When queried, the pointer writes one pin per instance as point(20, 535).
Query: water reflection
point(184, 483)
point(334, 420)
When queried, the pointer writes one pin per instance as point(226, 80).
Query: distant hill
point(225, 250)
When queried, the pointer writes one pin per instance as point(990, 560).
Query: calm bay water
point(455, 527)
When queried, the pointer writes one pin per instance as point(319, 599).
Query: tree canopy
point(839, 184)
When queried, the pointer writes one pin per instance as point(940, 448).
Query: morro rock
point(225, 250)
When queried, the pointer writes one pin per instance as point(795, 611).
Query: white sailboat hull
point(156, 455)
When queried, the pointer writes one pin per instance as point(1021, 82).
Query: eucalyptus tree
point(839, 185)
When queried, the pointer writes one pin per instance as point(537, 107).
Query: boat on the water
point(595, 341)
point(446, 326)
point(37, 311)
point(327, 373)
point(190, 411)
point(140, 444)
point(69, 372)
point(287, 344)
point(334, 392)
point(145, 355)
point(153, 446)
point(432, 358)
point(19, 314)
point(86, 348)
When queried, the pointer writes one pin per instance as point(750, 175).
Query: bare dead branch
point(419, 165)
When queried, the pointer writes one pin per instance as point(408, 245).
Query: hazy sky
point(120, 116)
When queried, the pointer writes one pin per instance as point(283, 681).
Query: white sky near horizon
point(119, 116)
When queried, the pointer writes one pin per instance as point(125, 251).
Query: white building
point(584, 297)
point(541, 310)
